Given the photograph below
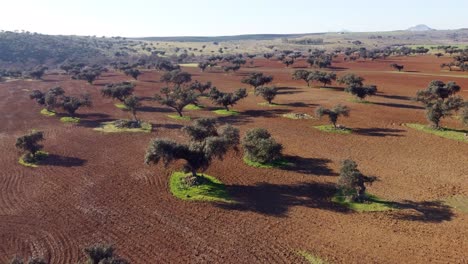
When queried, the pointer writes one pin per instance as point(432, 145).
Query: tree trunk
point(226, 107)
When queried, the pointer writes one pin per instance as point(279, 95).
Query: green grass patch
point(269, 105)
point(193, 107)
point(373, 203)
point(449, 133)
point(178, 117)
point(225, 112)
point(212, 190)
point(359, 101)
point(275, 164)
point(109, 127)
point(458, 202)
point(332, 129)
point(69, 119)
point(40, 155)
point(47, 112)
point(121, 107)
point(297, 116)
point(311, 258)
point(190, 65)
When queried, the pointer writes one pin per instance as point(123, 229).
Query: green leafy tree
point(333, 113)
point(304, 75)
point(133, 72)
point(71, 104)
point(440, 100)
point(362, 92)
point(118, 91)
point(257, 79)
point(267, 93)
point(351, 80)
point(206, 143)
point(259, 146)
point(176, 77)
point(132, 103)
point(177, 97)
point(50, 99)
point(29, 145)
point(352, 183)
point(201, 87)
point(227, 99)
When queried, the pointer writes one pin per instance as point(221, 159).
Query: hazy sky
point(137, 18)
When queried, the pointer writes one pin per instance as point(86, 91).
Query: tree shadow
point(334, 68)
point(378, 132)
point(60, 161)
point(426, 211)
point(334, 88)
point(93, 115)
point(265, 113)
point(288, 90)
point(276, 200)
point(308, 166)
point(152, 109)
point(397, 97)
point(396, 105)
point(298, 104)
point(168, 126)
point(411, 71)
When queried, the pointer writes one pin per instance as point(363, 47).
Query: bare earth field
point(95, 187)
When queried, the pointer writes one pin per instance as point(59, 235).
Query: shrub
point(260, 147)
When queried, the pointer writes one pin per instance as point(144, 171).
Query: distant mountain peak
point(420, 27)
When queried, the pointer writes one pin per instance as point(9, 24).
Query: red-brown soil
point(95, 187)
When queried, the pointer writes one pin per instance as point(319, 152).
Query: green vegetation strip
point(212, 190)
point(178, 117)
point(442, 132)
point(373, 204)
point(458, 202)
point(311, 258)
point(40, 155)
point(193, 107)
point(269, 105)
point(121, 106)
point(190, 65)
point(225, 112)
point(275, 164)
point(69, 119)
point(109, 127)
point(297, 116)
point(47, 112)
point(332, 129)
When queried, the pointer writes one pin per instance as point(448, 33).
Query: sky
point(141, 18)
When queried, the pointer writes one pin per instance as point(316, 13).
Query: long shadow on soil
point(276, 200)
point(309, 166)
point(426, 211)
point(379, 132)
point(298, 104)
point(60, 161)
point(152, 109)
point(247, 116)
point(397, 97)
point(288, 90)
point(332, 88)
point(399, 105)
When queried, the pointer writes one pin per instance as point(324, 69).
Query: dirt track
point(95, 187)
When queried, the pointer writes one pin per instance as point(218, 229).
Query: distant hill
point(420, 27)
point(227, 38)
